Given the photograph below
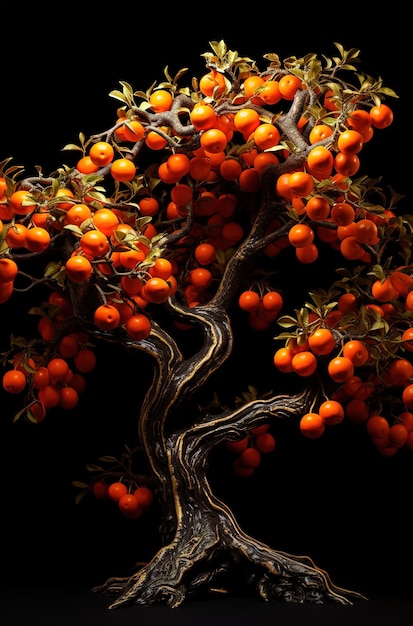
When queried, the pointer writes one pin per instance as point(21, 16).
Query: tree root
point(228, 565)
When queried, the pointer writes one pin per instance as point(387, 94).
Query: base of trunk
point(245, 567)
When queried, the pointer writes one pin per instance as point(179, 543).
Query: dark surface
point(334, 499)
point(70, 606)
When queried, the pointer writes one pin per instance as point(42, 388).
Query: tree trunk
point(205, 550)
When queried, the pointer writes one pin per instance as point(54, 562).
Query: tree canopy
point(208, 211)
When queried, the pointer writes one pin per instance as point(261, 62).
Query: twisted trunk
point(204, 549)
point(208, 552)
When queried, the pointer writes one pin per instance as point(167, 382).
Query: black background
point(334, 498)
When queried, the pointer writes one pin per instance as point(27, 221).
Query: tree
point(170, 236)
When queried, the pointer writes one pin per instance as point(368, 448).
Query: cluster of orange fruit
point(131, 502)
point(53, 378)
point(250, 448)
point(342, 361)
point(262, 308)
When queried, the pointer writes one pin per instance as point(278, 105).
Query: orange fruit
point(116, 490)
point(106, 221)
point(407, 396)
point(342, 213)
point(58, 369)
point(300, 184)
point(101, 153)
point(401, 281)
point(230, 168)
point(250, 457)
point(331, 412)
point(205, 253)
point(397, 435)
point(251, 84)
point(16, 235)
point(85, 165)
point(304, 363)
point(178, 164)
point(138, 326)
point(377, 426)
point(340, 369)
point(46, 328)
point(37, 239)
point(272, 302)
point(249, 180)
point(144, 496)
point(317, 208)
point(160, 100)
point(94, 243)
point(21, 202)
point(357, 411)
point(162, 268)
point(360, 120)
point(201, 278)
point(155, 141)
point(319, 132)
point(68, 347)
point(321, 341)
point(283, 360)
point(237, 446)
point(248, 300)
point(347, 303)
point(132, 130)
point(320, 162)
point(203, 116)
point(8, 270)
point(232, 232)
point(213, 140)
point(312, 425)
point(307, 254)
point(366, 231)
point(41, 377)
point(288, 85)
point(350, 141)
point(100, 490)
point(199, 168)
point(270, 92)
point(85, 360)
point(49, 396)
point(155, 290)
point(123, 169)
point(78, 268)
point(212, 83)
point(165, 174)
point(78, 382)
point(381, 116)
point(384, 290)
point(351, 249)
point(346, 164)
point(182, 194)
point(400, 371)
point(129, 506)
point(265, 443)
point(407, 339)
point(69, 398)
point(356, 351)
point(300, 235)
point(266, 136)
point(77, 214)
point(263, 159)
point(246, 120)
point(14, 381)
point(406, 418)
point(106, 317)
